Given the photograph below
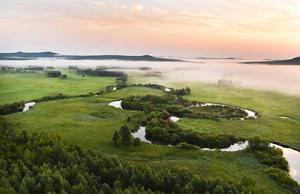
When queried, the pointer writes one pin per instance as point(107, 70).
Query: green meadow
point(15, 87)
point(90, 122)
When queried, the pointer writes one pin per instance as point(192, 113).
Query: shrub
point(284, 179)
point(11, 108)
point(63, 76)
point(53, 73)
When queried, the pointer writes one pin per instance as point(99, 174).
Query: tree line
point(11, 108)
point(100, 72)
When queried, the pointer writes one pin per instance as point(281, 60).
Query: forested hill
point(36, 55)
point(293, 61)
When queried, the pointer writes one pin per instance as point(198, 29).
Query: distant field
point(16, 87)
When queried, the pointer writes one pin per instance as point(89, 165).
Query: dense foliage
point(177, 106)
point(182, 91)
point(100, 72)
point(273, 158)
point(54, 74)
point(166, 132)
point(21, 69)
point(267, 154)
point(161, 130)
point(43, 163)
point(11, 108)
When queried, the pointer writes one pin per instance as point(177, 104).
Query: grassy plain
point(16, 87)
point(90, 123)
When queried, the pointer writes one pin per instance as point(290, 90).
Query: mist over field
point(282, 78)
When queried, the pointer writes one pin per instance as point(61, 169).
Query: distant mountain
point(221, 58)
point(293, 61)
point(27, 55)
point(35, 55)
point(116, 57)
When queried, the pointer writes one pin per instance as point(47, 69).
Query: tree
point(126, 136)
point(53, 73)
point(115, 137)
point(187, 90)
point(218, 190)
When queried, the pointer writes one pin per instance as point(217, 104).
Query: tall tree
point(126, 136)
point(115, 137)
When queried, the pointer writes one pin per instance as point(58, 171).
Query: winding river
point(291, 155)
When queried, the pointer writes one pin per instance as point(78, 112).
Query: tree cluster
point(54, 73)
point(180, 107)
point(21, 69)
point(273, 158)
point(99, 72)
point(182, 91)
point(125, 137)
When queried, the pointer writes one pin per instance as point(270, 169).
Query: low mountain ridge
point(293, 61)
point(34, 55)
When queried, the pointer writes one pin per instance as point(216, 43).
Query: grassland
point(90, 123)
point(269, 105)
point(16, 87)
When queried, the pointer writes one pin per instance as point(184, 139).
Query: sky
point(183, 28)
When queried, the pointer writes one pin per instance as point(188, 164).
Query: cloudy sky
point(215, 28)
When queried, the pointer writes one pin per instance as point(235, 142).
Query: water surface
point(27, 106)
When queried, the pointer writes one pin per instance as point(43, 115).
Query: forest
point(44, 163)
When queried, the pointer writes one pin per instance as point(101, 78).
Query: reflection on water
point(27, 106)
point(232, 148)
point(174, 119)
point(141, 134)
point(116, 104)
point(284, 78)
point(293, 157)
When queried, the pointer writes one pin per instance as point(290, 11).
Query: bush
point(258, 144)
point(53, 73)
point(284, 179)
point(11, 108)
point(64, 76)
point(267, 155)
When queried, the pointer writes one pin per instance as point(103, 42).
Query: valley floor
point(90, 122)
